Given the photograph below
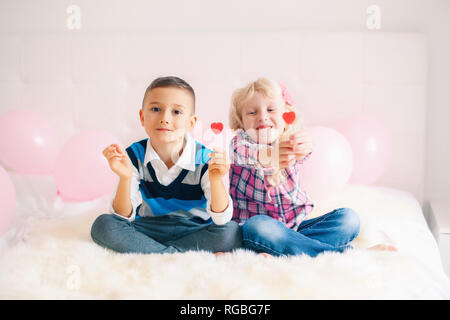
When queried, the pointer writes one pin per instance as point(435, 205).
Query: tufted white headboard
point(97, 80)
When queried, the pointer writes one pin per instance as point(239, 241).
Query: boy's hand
point(219, 164)
point(295, 147)
point(118, 160)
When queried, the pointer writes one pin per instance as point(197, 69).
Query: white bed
point(50, 255)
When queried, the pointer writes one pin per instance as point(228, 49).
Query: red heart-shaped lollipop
point(217, 127)
point(289, 117)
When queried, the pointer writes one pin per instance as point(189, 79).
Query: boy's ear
point(192, 122)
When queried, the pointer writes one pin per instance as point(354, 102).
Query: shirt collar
point(185, 161)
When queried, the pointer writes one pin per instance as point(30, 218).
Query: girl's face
point(262, 118)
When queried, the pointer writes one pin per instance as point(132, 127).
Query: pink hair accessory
point(286, 96)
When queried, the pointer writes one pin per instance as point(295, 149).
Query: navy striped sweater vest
point(183, 197)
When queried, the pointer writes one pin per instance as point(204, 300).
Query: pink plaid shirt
point(251, 193)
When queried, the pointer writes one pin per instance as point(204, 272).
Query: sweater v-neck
point(173, 184)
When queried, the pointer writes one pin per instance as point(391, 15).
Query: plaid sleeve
point(244, 152)
point(305, 158)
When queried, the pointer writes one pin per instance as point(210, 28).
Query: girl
point(268, 201)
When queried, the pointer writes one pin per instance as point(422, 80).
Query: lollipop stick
point(289, 118)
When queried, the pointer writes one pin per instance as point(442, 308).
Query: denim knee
point(349, 222)
point(263, 227)
point(253, 224)
point(104, 228)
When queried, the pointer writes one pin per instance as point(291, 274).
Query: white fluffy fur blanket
point(55, 258)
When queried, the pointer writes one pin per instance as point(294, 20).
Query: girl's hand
point(286, 157)
point(219, 164)
point(302, 144)
point(118, 160)
point(296, 147)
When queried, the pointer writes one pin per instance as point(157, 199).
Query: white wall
point(431, 17)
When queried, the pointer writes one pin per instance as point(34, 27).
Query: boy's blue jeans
point(164, 234)
point(330, 232)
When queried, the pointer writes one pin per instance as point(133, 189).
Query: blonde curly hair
point(267, 87)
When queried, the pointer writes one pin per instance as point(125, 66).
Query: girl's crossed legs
point(330, 232)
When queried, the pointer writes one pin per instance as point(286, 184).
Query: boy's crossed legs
point(164, 234)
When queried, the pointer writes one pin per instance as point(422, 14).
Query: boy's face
point(262, 118)
point(167, 114)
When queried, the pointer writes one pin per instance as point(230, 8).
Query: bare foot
point(265, 255)
point(383, 247)
point(220, 253)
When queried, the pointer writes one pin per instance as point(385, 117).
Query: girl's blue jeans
point(164, 234)
point(330, 232)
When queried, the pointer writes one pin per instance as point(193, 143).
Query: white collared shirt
point(165, 176)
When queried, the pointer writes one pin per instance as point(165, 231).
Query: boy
point(169, 197)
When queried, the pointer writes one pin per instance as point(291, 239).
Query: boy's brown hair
point(170, 81)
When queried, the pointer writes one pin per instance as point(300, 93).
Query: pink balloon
point(7, 200)
point(329, 166)
point(82, 172)
point(28, 142)
point(372, 147)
